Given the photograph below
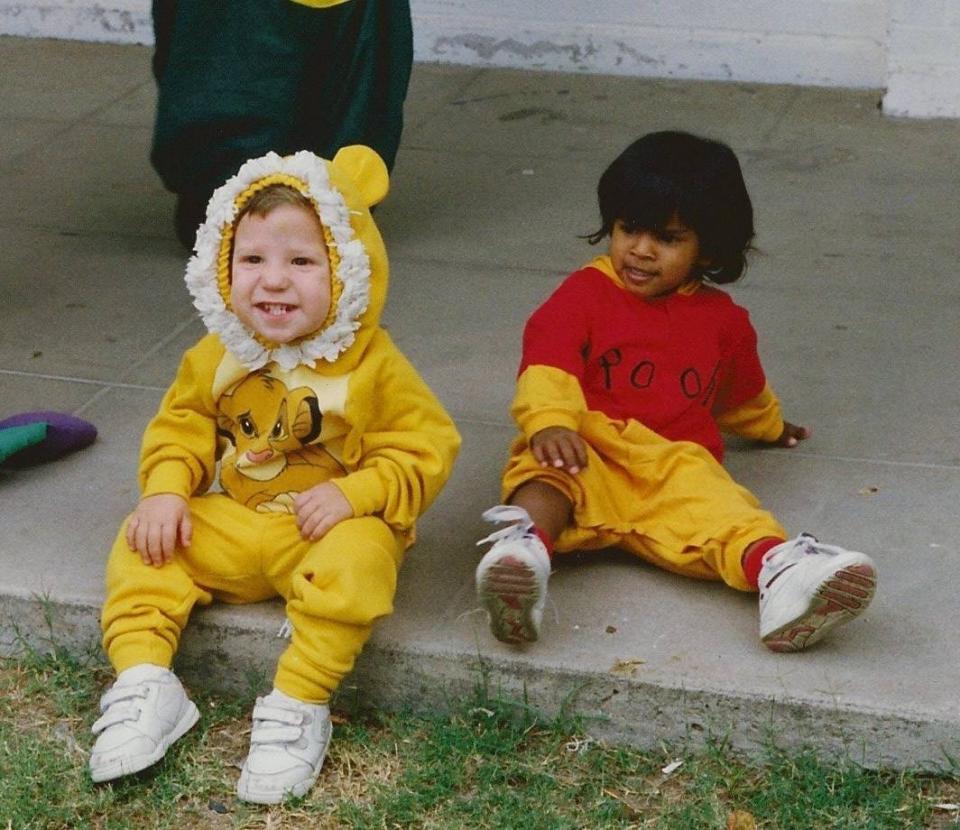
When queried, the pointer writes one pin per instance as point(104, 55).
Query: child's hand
point(319, 509)
point(792, 435)
point(559, 447)
point(157, 526)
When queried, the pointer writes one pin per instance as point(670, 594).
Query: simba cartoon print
point(271, 443)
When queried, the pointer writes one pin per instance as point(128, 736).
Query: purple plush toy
point(35, 437)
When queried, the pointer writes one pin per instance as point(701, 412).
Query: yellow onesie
point(267, 421)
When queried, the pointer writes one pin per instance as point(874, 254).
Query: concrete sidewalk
point(853, 293)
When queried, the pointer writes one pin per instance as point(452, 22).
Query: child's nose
point(274, 276)
point(644, 244)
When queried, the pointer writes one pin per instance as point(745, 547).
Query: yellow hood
point(342, 192)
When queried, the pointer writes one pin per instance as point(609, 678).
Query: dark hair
point(697, 179)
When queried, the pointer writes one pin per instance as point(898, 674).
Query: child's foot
point(287, 747)
point(808, 588)
point(512, 576)
point(143, 713)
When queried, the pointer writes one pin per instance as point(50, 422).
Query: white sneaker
point(143, 713)
point(512, 576)
point(808, 588)
point(287, 747)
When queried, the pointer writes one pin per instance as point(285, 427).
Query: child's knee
point(351, 576)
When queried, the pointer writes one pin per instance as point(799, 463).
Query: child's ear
point(366, 170)
point(705, 265)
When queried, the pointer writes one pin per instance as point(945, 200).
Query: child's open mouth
point(275, 309)
point(636, 275)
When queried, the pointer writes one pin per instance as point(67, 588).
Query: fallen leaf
point(869, 491)
point(741, 820)
point(626, 668)
point(611, 629)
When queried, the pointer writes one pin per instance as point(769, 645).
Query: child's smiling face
point(280, 273)
point(655, 262)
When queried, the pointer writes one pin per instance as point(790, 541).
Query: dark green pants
point(236, 79)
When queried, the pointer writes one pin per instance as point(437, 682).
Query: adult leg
point(235, 82)
point(227, 90)
point(359, 58)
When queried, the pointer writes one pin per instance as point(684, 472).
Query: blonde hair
point(271, 197)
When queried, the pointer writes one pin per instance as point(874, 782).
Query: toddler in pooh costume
point(329, 447)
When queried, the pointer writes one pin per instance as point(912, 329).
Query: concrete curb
point(234, 650)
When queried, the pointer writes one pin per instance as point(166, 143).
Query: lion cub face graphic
point(271, 430)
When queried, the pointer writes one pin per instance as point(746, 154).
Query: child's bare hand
point(792, 435)
point(559, 447)
point(158, 524)
point(319, 509)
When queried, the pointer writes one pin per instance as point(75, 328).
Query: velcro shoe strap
point(275, 734)
point(117, 714)
point(117, 694)
point(266, 712)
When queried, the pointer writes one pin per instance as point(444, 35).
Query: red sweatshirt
point(675, 363)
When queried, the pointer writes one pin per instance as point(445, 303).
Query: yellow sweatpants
point(670, 502)
point(334, 589)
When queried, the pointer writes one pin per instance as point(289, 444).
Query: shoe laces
point(787, 555)
point(791, 552)
point(521, 525)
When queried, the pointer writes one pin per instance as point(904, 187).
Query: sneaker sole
point(508, 591)
point(129, 766)
point(248, 792)
point(841, 597)
point(253, 796)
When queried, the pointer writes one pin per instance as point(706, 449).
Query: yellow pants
point(334, 589)
point(670, 502)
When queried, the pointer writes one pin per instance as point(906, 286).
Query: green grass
point(491, 764)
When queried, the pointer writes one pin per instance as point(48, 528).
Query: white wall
point(923, 58)
point(818, 42)
point(909, 47)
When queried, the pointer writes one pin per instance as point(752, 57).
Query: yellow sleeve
point(547, 397)
point(759, 418)
point(178, 453)
point(403, 443)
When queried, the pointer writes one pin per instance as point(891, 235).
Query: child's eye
point(301, 260)
point(251, 259)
